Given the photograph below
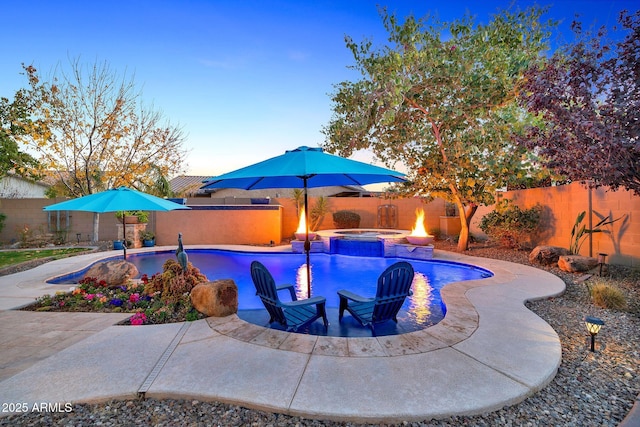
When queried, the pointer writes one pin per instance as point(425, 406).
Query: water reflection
point(301, 281)
point(420, 302)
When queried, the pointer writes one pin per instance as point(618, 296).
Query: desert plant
point(25, 233)
point(172, 283)
point(511, 226)
point(580, 231)
point(346, 219)
point(318, 211)
point(147, 235)
point(298, 197)
point(606, 295)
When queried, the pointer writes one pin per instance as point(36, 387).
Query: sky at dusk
point(246, 80)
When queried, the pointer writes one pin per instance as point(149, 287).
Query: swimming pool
point(329, 273)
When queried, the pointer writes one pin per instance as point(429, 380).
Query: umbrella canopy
point(310, 164)
point(114, 200)
point(304, 167)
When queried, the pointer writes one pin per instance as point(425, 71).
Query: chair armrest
point(343, 293)
point(291, 289)
point(308, 301)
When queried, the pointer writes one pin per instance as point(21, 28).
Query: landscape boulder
point(547, 255)
point(218, 298)
point(114, 273)
point(576, 263)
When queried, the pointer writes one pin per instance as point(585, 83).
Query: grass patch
point(8, 258)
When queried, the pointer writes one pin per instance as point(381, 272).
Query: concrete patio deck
point(488, 352)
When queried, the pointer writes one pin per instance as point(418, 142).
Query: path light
point(78, 237)
point(602, 260)
point(593, 326)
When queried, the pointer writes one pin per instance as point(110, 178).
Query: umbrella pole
point(307, 242)
point(124, 237)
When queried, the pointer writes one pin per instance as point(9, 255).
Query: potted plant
point(148, 238)
point(133, 217)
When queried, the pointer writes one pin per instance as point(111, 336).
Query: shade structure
point(115, 200)
point(304, 167)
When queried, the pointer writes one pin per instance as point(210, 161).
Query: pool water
point(329, 273)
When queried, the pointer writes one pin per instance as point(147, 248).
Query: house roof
point(41, 183)
point(188, 185)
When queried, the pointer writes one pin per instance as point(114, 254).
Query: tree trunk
point(466, 213)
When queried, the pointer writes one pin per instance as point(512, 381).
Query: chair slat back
point(394, 285)
point(266, 290)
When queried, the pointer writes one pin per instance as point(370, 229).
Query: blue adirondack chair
point(292, 315)
point(394, 285)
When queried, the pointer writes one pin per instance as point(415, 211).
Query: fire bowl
point(420, 240)
point(301, 236)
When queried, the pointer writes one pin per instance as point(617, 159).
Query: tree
point(440, 98)
point(11, 157)
point(588, 97)
point(88, 126)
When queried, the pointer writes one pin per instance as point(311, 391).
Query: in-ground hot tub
point(361, 241)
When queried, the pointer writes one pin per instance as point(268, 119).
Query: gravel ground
point(590, 389)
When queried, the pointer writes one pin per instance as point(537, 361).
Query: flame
point(302, 224)
point(419, 230)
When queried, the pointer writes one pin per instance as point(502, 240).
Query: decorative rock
point(114, 273)
point(218, 298)
point(576, 263)
point(547, 255)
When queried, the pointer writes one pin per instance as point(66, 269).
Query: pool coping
point(489, 351)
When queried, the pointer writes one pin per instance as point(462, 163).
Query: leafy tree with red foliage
point(587, 97)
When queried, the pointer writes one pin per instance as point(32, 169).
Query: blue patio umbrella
point(115, 200)
point(304, 167)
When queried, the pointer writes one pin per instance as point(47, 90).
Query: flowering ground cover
point(162, 298)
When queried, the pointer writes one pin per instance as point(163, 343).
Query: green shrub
point(143, 216)
point(147, 235)
point(346, 219)
point(2, 218)
point(511, 226)
point(606, 295)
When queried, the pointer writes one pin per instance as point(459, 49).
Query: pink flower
point(134, 298)
point(89, 297)
point(138, 319)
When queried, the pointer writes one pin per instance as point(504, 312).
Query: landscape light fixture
point(602, 260)
point(78, 237)
point(593, 326)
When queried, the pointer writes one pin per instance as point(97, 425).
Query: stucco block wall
point(240, 227)
point(562, 204)
point(21, 212)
